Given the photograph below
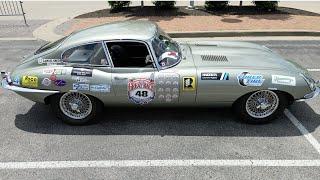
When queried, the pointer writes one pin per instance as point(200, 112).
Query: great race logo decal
point(247, 79)
point(141, 91)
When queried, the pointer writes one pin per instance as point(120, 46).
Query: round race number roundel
point(141, 91)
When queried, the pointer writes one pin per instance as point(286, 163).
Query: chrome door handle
point(120, 78)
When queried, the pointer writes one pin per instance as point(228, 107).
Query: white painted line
point(18, 39)
point(155, 163)
point(313, 70)
point(303, 130)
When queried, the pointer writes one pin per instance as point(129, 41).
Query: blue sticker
point(80, 87)
point(60, 82)
point(247, 79)
point(16, 81)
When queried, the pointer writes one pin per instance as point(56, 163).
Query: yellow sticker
point(30, 81)
point(189, 83)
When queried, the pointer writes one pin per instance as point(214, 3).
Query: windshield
point(166, 50)
point(48, 46)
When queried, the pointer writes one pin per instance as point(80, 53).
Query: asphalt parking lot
point(127, 137)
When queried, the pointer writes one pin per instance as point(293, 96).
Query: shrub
point(216, 5)
point(266, 5)
point(118, 5)
point(164, 4)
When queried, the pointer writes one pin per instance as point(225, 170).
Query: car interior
point(129, 54)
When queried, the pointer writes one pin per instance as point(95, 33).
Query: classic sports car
point(136, 63)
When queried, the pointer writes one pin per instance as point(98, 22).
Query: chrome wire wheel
point(262, 104)
point(75, 105)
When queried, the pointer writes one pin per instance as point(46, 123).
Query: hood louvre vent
point(214, 58)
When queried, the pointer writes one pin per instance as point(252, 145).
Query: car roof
point(130, 29)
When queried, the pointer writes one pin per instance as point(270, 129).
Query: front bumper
point(311, 95)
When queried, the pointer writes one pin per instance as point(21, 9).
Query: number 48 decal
point(142, 93)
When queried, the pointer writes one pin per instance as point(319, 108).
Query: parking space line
point(157, 163)
point(303, 130)
point(313, 70)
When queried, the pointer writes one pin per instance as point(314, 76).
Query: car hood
point(238, 55)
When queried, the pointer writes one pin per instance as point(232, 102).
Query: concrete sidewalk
point(56, 12)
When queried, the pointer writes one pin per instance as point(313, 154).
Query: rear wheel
point(261, 106)
point(76, 108)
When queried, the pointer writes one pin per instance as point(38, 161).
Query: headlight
point(309, 80)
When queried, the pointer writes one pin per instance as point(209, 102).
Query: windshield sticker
point(141, 91)
point(54, 71)
point(16, 81)
point(46, 82)
point(60, 82)
point(214, 76)
point(49, 61)
point(189, 83)
point(81, 72)
point(247, 79)
point(283, 80)
point(100, 88)
point(30, 81)
point(80, 87)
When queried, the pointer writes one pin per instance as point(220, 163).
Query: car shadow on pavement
point(164, 122)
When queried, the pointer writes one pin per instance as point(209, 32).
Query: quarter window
point(86, 54)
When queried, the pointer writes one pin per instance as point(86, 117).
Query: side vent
point(214, 58)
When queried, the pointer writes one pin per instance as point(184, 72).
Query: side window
point(130, 54)
point(86, 54)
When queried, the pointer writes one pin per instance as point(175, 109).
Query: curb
point(242, 33)
point(46, 32)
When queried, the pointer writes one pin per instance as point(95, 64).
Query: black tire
point(240, 109)
point(97, 108)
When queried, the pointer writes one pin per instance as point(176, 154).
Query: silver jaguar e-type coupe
point(134, 63)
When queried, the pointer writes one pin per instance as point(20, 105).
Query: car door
point(133, 82)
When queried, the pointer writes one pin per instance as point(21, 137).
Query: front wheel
point(261, 106)
point(76, 108)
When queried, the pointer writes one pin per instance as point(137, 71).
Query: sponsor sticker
point(100, 88)
point(214, 76)
point(30, 81)
point(49, 61)
point(141, 91)
point(247, 79)
point(189, 83)
point(53, 77)
point(283, 80)
point(81, 72)
point(80, 87)
point(46, 82)
point(60, 82)
point(80, 79)
point(54, 71)
point(16, 81)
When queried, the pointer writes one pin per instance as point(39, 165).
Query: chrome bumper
point(311, 95)
point(17, 89)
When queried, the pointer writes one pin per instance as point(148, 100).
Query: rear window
point(50, 45)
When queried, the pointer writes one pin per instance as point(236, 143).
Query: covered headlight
point(309, 80)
